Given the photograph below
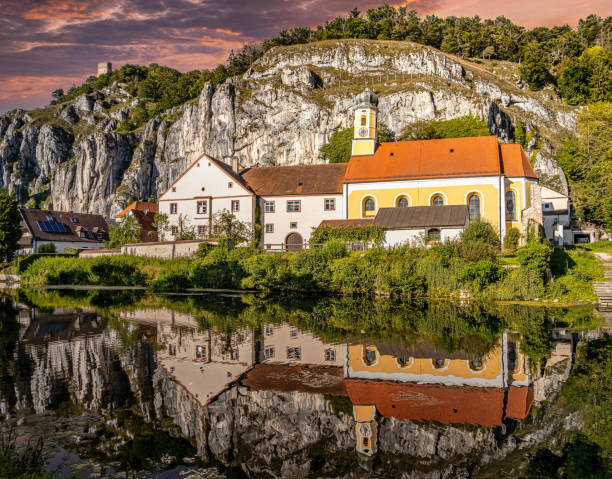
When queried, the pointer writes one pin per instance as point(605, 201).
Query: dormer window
point(74, 220)
point(50, 218)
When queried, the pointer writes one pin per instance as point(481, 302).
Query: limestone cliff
point(281, 111)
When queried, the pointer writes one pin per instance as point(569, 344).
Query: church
point(414, 189)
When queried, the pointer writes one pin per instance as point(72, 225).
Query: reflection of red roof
point(140, 206)
point(285, 377)
point(444, 404)
point(519, 401)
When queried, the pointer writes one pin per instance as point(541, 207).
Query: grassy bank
point(471, 267)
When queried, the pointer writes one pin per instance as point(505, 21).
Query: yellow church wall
point(521, 202)
point(422, 196)
point(454, 367)
point(362, 147)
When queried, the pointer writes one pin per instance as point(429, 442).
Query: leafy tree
point(162, 224)
point(126, 232)
point(10, 226)
point(186, 231)
point(587, 78)
point(338, 148)
point(58, 94)
point(464, 126)
point(231, 227)
point(534, 69)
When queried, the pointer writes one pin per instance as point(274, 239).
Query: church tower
point(364, 130)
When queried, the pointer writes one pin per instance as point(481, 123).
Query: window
point(370, 356)
point(474, 207)
point(293, 225)
point(173, 208)
point(202, 207)
point(294, 353)
point(269, 228)
point(230, 185)
point(330, 355)
point(171, 350)
point(74, 220)
point(201, 230)
point(269, 206)
point(100, 235)
point(174, 189)
point(438, 363)
point(235, 206)
point(369, 206)
point(402, 202)
point(235, 354)
point(200, 352)
point(433, 235)
point(330, 204)
point(269, 352)
point(364, 120)
point(510, 205)
point(216, 229)
point(294, 206)
point(50, 218)
point(437, 200)
point(293, 333)
point(174, 230)
point(476, 364)
point(269, 330)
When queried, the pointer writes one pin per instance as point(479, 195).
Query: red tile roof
point(140, 206)
point(519, 401)
point(515, 161)
point(302, 378)
point(295, 180)
point(148, 231)
point(443, 158)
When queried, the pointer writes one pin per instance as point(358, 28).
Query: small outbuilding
point(432, 223)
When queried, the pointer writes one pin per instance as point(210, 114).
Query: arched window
point(477, 364)
point(369, 356)
point(369, 206)
point(437, 200)
point(433, 235)
point(402, 202)
point(510, 205)
point(474, 204)
point(438, 363)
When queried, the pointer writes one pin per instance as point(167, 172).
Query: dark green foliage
point(483, 273)
point(535, 255)
point(9, 334)
point(10, 229)
point(590, 383)
point(511, 240)
point(47, 248)
point(464, 126)
point(338, 148)
point(23, 462)
point(482, 232)
point(534, 69)
point(323, 234)
point(170, 281)
point(114, 271)
point(587, 78)
point(543, 465)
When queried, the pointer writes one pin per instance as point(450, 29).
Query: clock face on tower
point(363, 131)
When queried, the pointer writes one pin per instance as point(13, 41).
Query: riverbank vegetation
point(471, 266)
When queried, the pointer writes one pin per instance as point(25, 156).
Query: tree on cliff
point(338, 148)
point(456, 128)
point(10, 226)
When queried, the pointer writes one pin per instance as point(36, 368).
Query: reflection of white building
point(206, 362)
point(285, 343)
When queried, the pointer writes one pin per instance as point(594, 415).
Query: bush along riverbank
point(470, 266)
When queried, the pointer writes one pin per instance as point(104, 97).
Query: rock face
point(281, 111)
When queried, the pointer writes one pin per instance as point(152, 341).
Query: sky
point(50, 44)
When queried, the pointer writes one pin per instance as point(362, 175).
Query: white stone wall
point(165, 250)
point(414, 236)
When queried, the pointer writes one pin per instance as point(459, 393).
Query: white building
point(287, 201)
point(556, 217)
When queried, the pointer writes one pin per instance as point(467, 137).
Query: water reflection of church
point(419, 382)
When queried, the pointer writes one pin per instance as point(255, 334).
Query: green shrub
point(269, 272)
point(115, 271)
point(170, 281)
point(398, 278)
point(480, 232)
point(536, 255)
point(323, 234)
point(483, 273)
point(518, 284)
point(511, 240)
point(476, 251)
point(354, 274)
point(47, 248)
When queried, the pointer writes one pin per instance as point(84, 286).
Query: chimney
point(235, 165)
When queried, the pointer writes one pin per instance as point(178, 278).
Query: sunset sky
point(49, 44)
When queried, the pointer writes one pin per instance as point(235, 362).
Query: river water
point(125, 384)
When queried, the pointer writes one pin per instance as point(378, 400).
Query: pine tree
point(534, 69)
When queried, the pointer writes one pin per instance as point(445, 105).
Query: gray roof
point(422, 216)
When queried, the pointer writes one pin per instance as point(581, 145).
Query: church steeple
point(364, 133)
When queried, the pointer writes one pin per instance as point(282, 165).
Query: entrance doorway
point(294, 242)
